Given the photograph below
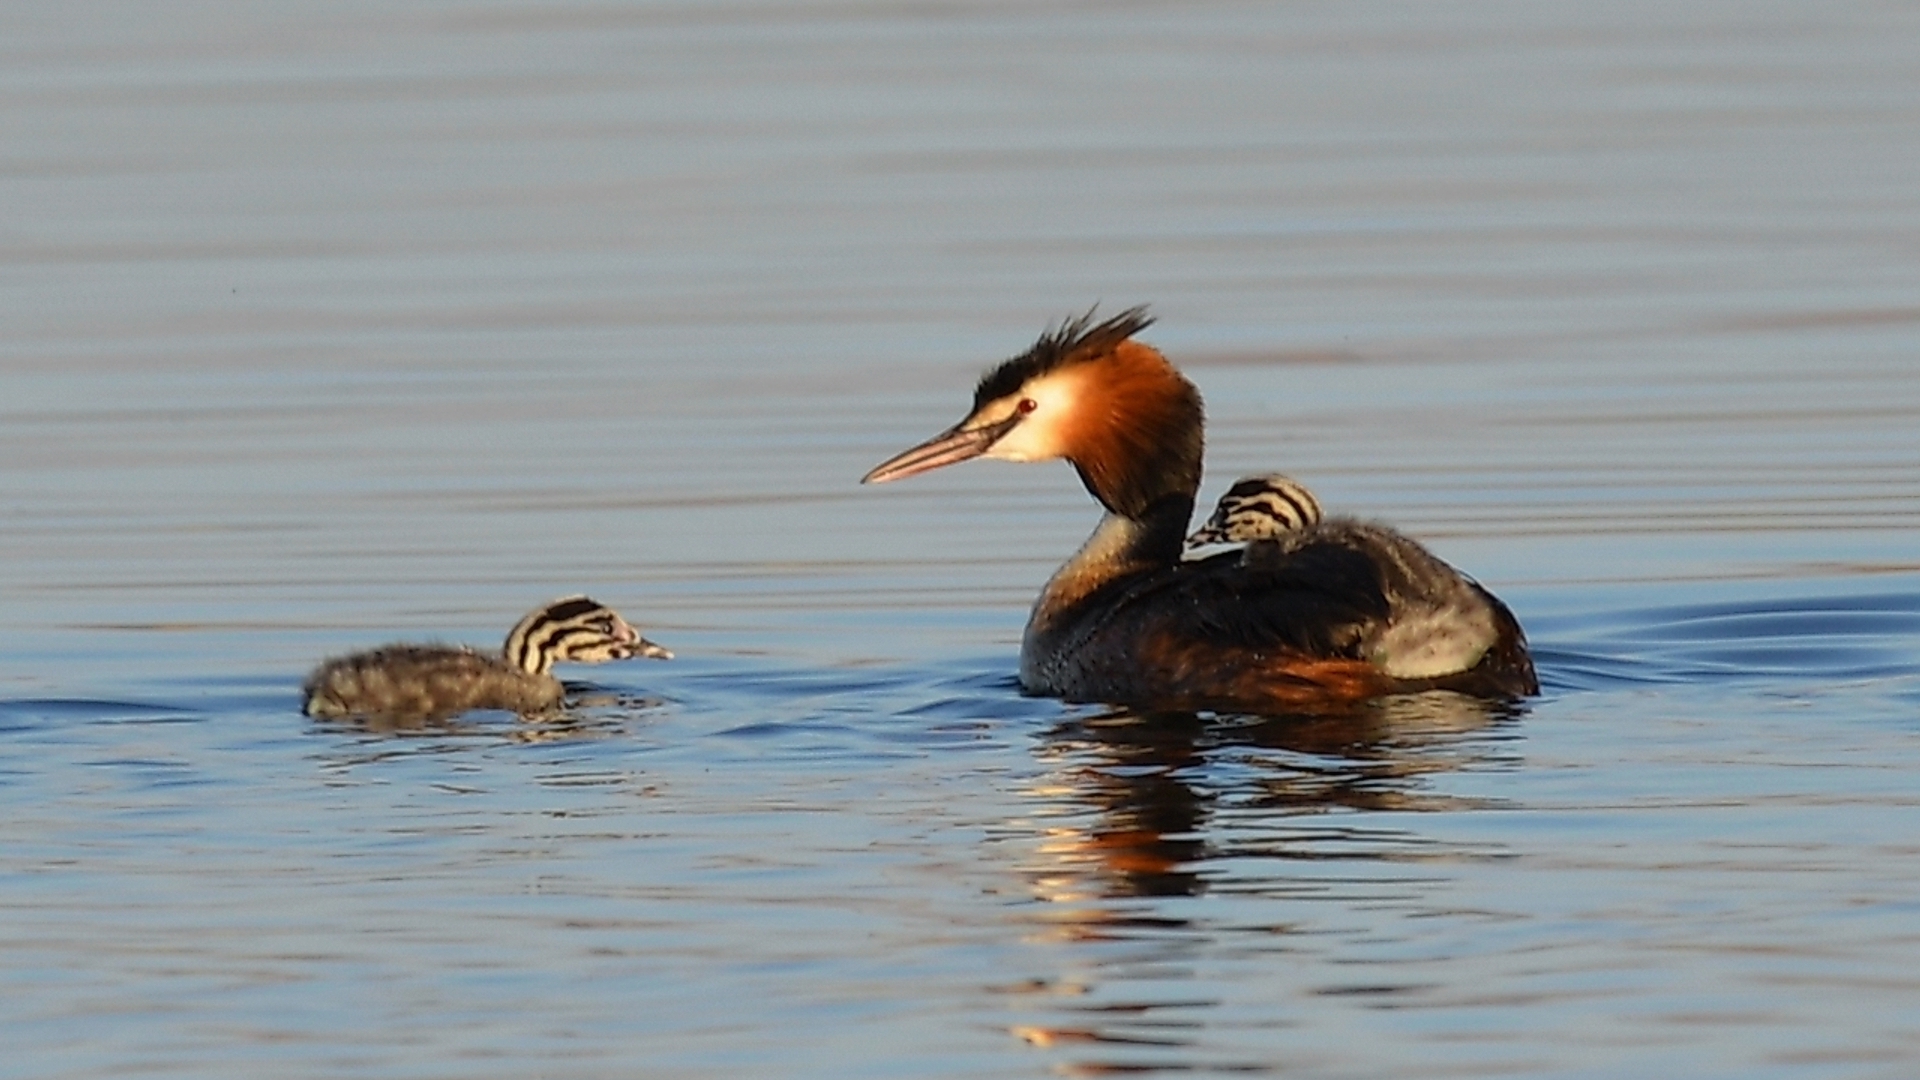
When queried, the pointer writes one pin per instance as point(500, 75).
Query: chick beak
point(1210, 533)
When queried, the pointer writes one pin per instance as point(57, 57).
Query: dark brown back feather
point(1320, 603)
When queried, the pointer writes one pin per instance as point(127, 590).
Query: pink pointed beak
point(957, 443)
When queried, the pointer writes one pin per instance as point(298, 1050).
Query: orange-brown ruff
point(1125, 620)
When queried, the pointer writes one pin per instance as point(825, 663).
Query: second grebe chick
point(435, 682)
point(1259, 507)
point(1438, 619)
point(1125, 620)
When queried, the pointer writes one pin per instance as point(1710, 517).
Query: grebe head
point(578, 630)
point(1260, 507)
point(1087, 392)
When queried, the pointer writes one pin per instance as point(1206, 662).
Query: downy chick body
point(409, 682)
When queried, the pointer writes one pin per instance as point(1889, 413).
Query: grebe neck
point(1139, 455)
point(1121, 545)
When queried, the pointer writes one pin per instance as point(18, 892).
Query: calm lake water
point(327, 324)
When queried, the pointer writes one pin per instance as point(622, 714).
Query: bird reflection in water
point(589, 713)
point(1140, 809)
point(1154, 782)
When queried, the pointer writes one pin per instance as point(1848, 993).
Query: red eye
point(1026, 406)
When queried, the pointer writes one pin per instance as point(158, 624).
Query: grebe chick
point(435, 682)
point(1259, 507)
point(1438, 619)
point(1125, 620)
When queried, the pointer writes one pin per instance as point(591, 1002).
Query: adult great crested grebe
point(1126, 621)
point(436, 682)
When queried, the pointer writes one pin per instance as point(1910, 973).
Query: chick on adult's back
point(1266, 506)
point(1440, 622)
point(406, 682)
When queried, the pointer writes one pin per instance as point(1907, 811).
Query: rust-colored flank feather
point(1328, 611)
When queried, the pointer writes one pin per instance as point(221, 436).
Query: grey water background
point(327, 324)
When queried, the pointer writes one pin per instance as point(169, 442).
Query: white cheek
point(1039, 436)
point(1024, 443)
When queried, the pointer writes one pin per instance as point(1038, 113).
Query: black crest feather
point(1073, 339)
